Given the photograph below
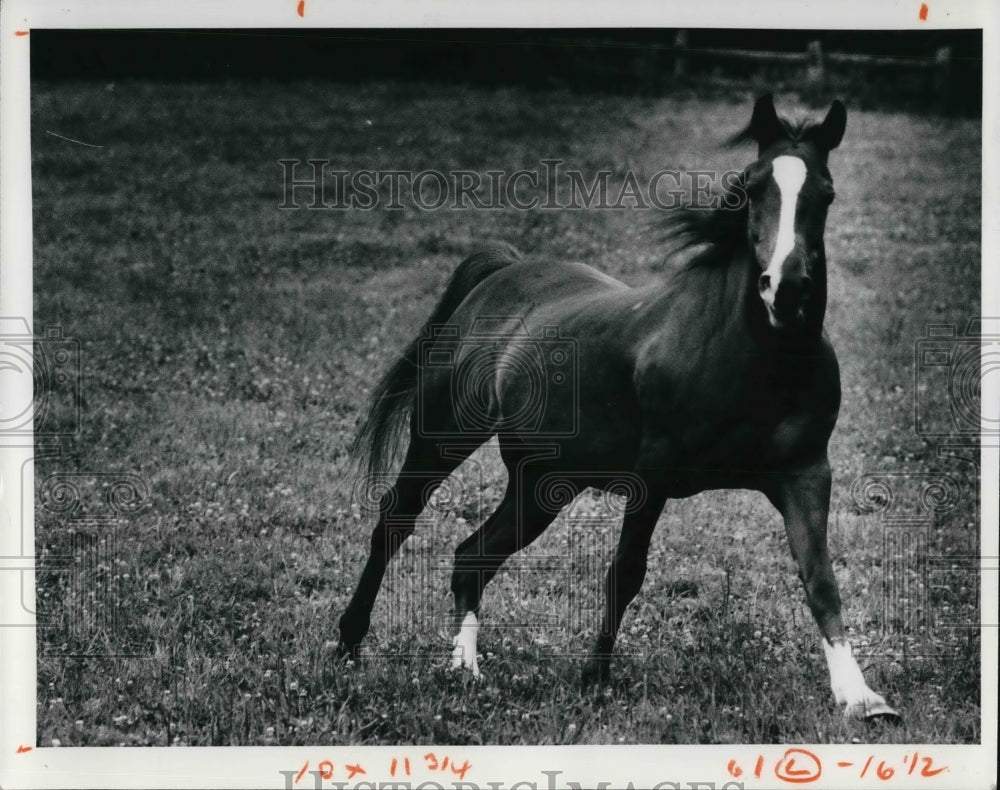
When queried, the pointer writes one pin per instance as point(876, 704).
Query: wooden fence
point(816, 62)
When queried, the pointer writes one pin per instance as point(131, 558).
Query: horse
point(717, 376)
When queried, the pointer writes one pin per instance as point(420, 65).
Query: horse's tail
point(392, 400)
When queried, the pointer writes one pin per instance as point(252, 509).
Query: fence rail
point(817, 62)
point(847, 58)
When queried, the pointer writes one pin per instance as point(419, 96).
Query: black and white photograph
point(433, 388)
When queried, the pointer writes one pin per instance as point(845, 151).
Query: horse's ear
point(829, 133)
point(764, 126)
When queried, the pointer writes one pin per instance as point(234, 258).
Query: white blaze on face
point(789, 174)
point(464, 654)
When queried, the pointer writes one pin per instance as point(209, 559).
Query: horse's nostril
point(764, 283)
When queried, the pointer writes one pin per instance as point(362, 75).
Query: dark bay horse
point(718, 376)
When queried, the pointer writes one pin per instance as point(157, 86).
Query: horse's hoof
point(460, 664)
point(880, 711)
point(873, 709)
point(342, 652)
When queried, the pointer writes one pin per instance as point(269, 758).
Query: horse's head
point(788, 191)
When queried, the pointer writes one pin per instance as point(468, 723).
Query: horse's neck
point(718, 295)
point(724, 298)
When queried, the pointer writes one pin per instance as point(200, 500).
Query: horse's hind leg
point(625, 577)
point(423, 470)
point(803, 499)
point(518, 521)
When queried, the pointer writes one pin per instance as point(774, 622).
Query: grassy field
point(227, 351)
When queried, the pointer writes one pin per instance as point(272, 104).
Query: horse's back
point(524, 288)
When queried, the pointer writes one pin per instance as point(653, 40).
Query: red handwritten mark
point(302, 772)
point(23, 749)
point(21, 32)
point(302, 8)
point(326, 769)
point(928, 771)
point(355, 770)
point(923, 12)
point(787, 771)
point(734, 769)
point(867, 763)
point(843, 764)
point(759, 766)
point(460, 772)
point(432, 761)
point(406, 766)
point(884, 771)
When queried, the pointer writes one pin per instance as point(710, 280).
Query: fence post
point(942, 78)
point(680, 53)
point(815, 64)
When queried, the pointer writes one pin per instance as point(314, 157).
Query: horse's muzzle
point(785, 304)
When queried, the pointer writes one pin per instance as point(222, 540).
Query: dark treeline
point(620, 61)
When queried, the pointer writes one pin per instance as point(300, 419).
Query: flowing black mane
point(723, 228)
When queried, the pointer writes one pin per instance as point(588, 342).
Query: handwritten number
point(884, 771)
point(460, 772)
point(927, 770)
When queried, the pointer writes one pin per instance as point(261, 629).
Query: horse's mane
point(723, 229)
point(796, 132)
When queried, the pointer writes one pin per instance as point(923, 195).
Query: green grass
point(228, 349)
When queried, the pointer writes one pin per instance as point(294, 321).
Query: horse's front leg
point(803, 498)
